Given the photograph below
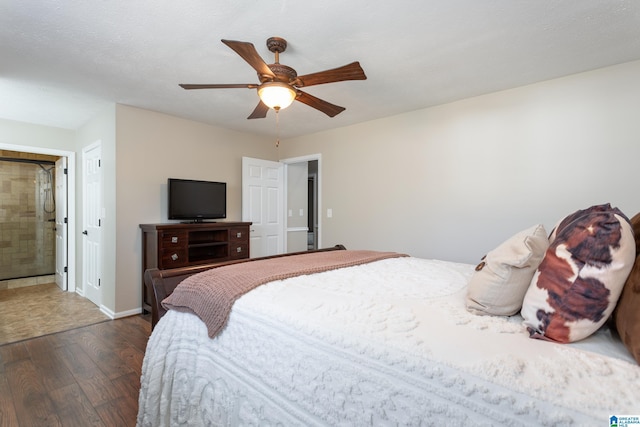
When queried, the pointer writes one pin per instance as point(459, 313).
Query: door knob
point(85, 232)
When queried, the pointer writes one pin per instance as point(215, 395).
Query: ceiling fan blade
point(260, 111)
point(351, 71)
point(220, 86)
point(329, 109)
point(249, 53)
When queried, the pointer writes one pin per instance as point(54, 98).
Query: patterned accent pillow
point(500, 281)
point(627, 313)
point(577, 285)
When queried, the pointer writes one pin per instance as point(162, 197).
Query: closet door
point(92, 208)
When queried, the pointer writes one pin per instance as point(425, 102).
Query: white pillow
point(501, 280)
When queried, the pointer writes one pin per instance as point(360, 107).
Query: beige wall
point(152, 147)
point(140, 150)
point(453, 181)
point(448, 182)
point(38, 138)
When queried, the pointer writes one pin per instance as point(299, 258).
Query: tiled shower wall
point(27, 237)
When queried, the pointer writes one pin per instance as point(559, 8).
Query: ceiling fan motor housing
point(284, 74)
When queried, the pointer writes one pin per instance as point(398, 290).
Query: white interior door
point(92, 207)
point(263, 205)
point(61, 223)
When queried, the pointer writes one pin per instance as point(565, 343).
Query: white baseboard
point(121, 314)
point(113, 315)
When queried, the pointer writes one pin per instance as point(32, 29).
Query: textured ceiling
point(61, 61)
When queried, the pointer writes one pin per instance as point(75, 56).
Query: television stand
point(166, 246)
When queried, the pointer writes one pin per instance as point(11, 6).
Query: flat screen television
point(196, 201)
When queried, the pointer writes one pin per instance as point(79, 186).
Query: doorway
point(27, 214)
point(312, 205)
point(69, 245)
point(303, 226)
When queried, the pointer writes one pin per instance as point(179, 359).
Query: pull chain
point(277, 128)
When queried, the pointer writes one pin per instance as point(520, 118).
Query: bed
point(389, 341)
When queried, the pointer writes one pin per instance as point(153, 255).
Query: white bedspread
point(388, 343)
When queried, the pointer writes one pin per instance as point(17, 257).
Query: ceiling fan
point(280, 84)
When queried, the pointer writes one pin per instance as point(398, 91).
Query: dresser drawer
point(172, 258)
point(238, 250)
point(239, 234)
point(174, 239)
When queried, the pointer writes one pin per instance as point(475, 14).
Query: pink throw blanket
point(211, 294)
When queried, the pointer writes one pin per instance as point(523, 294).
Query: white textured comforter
point(387, 343)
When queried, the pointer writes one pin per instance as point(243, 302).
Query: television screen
point(196, 201)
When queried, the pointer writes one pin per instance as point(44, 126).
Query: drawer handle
point(174, 239)
point(239, 249)
point(238, 235)
point(174, 257)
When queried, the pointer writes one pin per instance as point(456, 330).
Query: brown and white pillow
point(502, 278)
point(577, 285)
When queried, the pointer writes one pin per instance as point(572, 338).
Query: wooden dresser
point(175, 245)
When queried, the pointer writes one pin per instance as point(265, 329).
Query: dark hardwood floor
point(88, 376)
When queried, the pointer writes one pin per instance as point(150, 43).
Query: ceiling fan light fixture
point(276, 95)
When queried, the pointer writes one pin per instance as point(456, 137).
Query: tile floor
point(31, 311)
